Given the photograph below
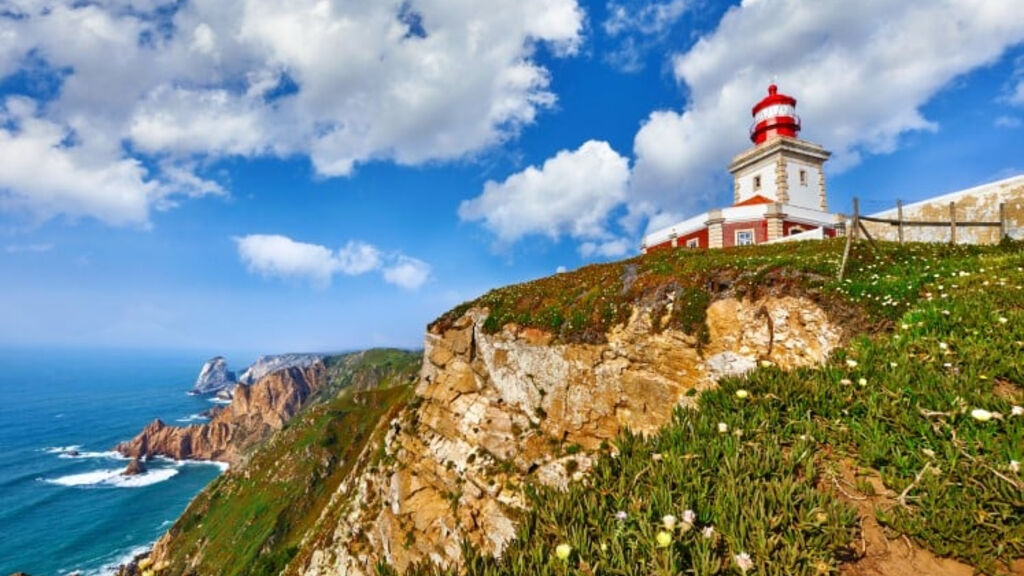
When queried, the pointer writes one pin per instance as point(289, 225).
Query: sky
point(319, 175)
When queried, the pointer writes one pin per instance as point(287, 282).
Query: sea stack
point(214, 377)
point(135, 467)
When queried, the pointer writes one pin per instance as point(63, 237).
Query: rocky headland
point(513, 437)
point(255, 412)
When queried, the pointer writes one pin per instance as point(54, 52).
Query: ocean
point(61, 514)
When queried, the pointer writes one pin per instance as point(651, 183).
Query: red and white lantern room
point(778, 189)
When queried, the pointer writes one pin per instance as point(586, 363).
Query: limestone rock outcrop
point(494, 411)
point(255, 412)
point(214, 377)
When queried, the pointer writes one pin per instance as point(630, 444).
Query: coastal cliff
point(497, 412)
point(255, 412)
point(713, 412)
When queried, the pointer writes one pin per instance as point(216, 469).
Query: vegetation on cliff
point(583, 305)
point(253, 519)
point(767, 474)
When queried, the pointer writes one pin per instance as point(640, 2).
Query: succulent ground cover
point(927, 394)
point(253, 520)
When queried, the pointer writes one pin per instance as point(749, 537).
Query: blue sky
point(266, 177)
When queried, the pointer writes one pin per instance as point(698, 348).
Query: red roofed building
point(778, 189)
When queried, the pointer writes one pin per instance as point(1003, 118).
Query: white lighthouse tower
point(778, 189)
point(780, 167)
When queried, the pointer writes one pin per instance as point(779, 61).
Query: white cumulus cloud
point(610, 249)
point(572, 194)
point(407, 272)
point(280, 256)
point(860, 70)
point(343, 83)
point(43, 173)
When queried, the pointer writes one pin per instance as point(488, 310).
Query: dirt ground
point(879, 555)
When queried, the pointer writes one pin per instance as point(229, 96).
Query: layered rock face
point(255, 412)
point(266, 364)
point(214, 377)
point(498, 410)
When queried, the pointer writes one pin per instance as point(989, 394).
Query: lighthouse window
point(693, 243)
point(757, 182)
point(744, 237)
point(803, 177)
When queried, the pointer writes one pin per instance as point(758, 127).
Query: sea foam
point(114, 478)
point(193, 418)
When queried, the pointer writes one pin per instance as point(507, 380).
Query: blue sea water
point(61, 514)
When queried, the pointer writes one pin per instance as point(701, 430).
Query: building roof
point(755, 199)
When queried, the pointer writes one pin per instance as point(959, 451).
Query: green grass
point(942, 334)
point(252, 520)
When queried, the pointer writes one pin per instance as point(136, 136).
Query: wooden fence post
point(899, 218)
point(850, 237)
point(1004, 226)
point(856, 217)
point(952, 222)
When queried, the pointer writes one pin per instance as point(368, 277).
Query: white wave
point(194, 418)
point(145, 479)
point(61, 449)
point(110, 569)
point(109, 454)
point(114, 478)
point(179, 463)
point(223, 401)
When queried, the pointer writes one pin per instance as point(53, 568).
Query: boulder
point(134, 468)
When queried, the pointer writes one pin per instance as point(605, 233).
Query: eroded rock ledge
point(497, 410)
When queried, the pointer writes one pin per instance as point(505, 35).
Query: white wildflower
point(1014, 466)
point(669, 522)
point(743, 562)
point(851, 363)
point(562, 552)
point(742, 394)
point(1017, 411)
point(981, 415)
point(723, 427)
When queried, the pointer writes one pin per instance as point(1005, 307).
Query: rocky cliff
point(497, 411)
point(255, 412)
point(214, 377)
point(272, 363)
point(252, 519)
point(514, 442)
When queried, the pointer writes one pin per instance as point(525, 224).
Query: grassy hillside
point(251, 520)
point(770, 469)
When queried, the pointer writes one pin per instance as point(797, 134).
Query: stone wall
point(980, 204)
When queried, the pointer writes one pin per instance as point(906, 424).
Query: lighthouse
point(780, 167)
point(778, 188)
point(775, 115)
